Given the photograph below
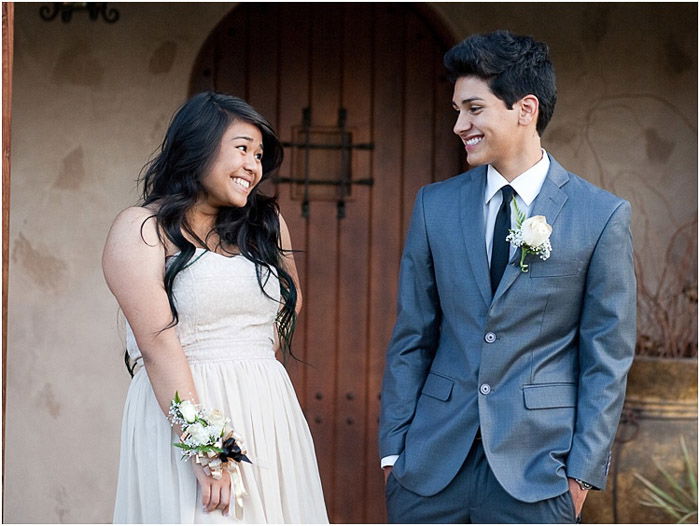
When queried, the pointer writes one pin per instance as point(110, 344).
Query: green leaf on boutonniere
point(524, 267)
point(519, 214)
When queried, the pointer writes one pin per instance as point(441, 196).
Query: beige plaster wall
point(91, 102)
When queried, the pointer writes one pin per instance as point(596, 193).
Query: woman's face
point(236, 169)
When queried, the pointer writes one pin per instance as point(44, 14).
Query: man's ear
point(529, 107)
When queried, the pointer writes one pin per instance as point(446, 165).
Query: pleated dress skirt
point(283, 485)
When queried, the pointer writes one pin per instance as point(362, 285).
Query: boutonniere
point(531, 235)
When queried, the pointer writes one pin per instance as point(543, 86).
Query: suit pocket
point(389, 484)
point(437, 386)
point(553, 269)
point(548, 396)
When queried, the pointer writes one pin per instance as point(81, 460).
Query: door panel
point(382, 63)
point(353, 231)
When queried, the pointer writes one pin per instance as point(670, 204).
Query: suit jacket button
point(490, 337)
point(484, 389)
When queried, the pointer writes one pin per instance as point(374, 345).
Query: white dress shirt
point(527, 187)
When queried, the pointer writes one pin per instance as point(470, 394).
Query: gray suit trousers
point(474, 497)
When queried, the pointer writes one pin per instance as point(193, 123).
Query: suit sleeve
point(607, 336)
point(414, 338)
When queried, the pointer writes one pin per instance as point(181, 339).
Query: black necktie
point(500, 251)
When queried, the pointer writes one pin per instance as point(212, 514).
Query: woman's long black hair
point(172, 180)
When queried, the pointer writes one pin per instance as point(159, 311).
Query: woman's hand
point(216, 494)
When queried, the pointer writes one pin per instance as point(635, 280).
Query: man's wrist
point(389, 461)
point(585, 486)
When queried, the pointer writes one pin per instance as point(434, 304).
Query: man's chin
point(476, 160)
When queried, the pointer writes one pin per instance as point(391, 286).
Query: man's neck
point(519, 163)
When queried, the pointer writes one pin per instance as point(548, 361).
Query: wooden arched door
point(377, 67)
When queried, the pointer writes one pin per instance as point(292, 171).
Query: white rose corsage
point(531, 235)
point(209, 438)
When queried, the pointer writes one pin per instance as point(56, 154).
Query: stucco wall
point(91, 102)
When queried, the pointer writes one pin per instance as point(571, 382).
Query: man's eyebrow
point(470, 100)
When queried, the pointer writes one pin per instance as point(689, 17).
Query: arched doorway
point(337, 76)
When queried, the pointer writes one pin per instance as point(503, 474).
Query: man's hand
point(387, 472)
point(578, 495)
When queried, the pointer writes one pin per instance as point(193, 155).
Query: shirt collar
point(527, 185)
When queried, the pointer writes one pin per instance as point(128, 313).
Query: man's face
point(488, 129)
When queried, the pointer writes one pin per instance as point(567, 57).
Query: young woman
point(204, 273)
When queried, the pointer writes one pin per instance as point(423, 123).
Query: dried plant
point(677, 499)
point(667, 308)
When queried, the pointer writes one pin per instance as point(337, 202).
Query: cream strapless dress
point(227, 331)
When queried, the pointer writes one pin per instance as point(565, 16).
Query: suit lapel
point(548, 203)
point(472, 218)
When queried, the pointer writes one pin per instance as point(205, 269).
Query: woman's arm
point(288, 260)
point(134, 265)
point(134, 269)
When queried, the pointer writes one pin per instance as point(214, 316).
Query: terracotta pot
point(660, 406)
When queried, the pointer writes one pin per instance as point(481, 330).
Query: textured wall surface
point(91, 102)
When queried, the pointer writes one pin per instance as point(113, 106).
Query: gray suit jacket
point(540, 366)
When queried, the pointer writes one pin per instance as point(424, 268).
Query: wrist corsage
point(531, 235)
point(209, 438)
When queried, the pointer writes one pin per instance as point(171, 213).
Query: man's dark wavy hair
point(512, 65)
point(172, 181)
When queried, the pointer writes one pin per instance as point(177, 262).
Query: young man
point(504, 382)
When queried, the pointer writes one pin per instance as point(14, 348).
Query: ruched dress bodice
point(222, 312)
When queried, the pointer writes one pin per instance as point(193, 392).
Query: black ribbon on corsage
point(232, 451)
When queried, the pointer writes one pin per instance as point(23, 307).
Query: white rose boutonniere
point(536, 231)
point(531, 235)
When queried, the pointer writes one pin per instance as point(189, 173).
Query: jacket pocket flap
point(553, 269)
point(546, 396)
point(438, 387)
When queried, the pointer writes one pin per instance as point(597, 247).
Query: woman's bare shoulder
point(136, 222)
point(134, 213)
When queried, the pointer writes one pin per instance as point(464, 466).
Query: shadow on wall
point(653, 139)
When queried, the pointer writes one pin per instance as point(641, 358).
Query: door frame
point(8, 16)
